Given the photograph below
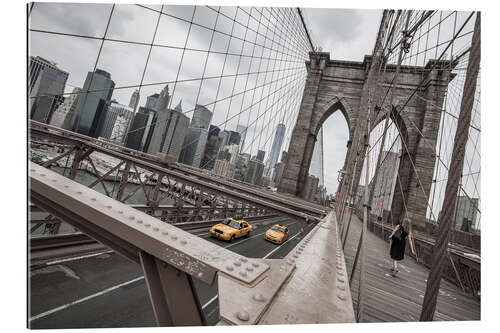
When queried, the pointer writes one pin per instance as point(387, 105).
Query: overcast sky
point(346, 34)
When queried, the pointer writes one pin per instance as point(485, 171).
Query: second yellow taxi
point(230, 229)
point(277, 234)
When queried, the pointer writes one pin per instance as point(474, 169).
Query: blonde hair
point(406, 224)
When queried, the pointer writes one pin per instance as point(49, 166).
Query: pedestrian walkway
point(393, 299)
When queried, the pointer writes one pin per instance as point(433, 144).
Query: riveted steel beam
point(129, 231)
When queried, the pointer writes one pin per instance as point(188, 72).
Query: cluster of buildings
point(154, 127)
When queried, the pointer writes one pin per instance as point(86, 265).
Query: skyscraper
point(47, 81)
point(196, 137)
point(64, 112)
point(121, 126)
point(212, 147)
point(116, 122)
point(109, 118)
point(92, 104)
point(276, 148)
point(243, 134)
point(254, 172)
point(465, 217)
point(170, 128)
point(386, 182)
point(136, 131)
point(134, 100)
point(193, 146)
point(149, 127)
point(151, 101)
point(230, 138)
point(201, 117)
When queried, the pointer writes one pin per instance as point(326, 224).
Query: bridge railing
point(251, 291)
point(192, 182)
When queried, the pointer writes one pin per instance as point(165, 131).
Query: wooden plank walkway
point(399, 299)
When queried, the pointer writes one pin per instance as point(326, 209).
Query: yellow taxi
point(277, 234)
point(230, 229)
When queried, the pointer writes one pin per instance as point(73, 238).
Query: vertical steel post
point(171, 293)
point(454, 176)
point(123, 181)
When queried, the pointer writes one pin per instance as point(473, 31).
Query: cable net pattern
point(423, 36)
point(246, 65)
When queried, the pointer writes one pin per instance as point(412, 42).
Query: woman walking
point(398, 243)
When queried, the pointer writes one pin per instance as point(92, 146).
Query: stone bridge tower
point(334, 85)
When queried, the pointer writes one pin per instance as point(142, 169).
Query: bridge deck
point(390, 299)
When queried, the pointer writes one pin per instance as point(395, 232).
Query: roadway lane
point(109, 291)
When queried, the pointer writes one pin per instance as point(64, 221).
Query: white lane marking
point(77, 258)
point(210, 301)
point(102, 292)
point(267, 255)
point(62, 307)
point(279, 247)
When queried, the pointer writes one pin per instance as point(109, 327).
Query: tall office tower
point(260, 155)
point(108, 120)
point(151, 101)
point(47, 81)
point(92, 104)
point(118, 118)
point(230, 138)
point(212, 147)
point(134, 100)
point(240, 167)
point(196, 137)
point(65, 110)
point(276, 147)
point(466, 213)
point(224, 168)
point(243, 134)
point(213, 131)
point(311, 187)
point(121, 127)
point(254, 172)
point(279, 168)
point(193, 146)
point(71, 112)
point(148, 128)
point(233, 150)
point(201, 117)
point(170, 128)
point(224, 155)
point(316, 167)
point(136, 131)
point(386, 182)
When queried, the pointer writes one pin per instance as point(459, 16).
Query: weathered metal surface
point(244, 304)
point(133, 230)
point(171, 293)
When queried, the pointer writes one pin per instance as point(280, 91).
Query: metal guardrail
point(292, 207)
